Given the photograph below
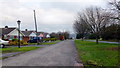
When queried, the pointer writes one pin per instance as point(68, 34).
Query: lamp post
point(18, 22)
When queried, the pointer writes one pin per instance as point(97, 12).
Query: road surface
point(61, 54)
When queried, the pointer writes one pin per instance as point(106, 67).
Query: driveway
point(61, 54)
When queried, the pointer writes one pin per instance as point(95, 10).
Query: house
point(40, 35)
point(43, 35)
point(10, 33)
point(46, 35)
point(29, 35)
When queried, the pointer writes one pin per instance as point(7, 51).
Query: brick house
point(28, 35)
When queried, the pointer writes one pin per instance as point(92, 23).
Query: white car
point(3, 43)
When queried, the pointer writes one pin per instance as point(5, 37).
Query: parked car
point(3, 43)
point(34, 40)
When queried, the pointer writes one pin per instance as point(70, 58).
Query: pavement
point(60, 54)
point(16, 53)
point(30, 45)
point(103, 41)
point(9, 54)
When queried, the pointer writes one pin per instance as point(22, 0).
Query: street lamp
point(18, 22)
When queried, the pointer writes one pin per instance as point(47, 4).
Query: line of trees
point(99, 23)
point(58, 34)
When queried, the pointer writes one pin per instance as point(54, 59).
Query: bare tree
point(115, 9)
point(80, 26)
point(96, 18)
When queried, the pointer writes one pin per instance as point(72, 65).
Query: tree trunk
point(97, 42)
point(82, 36)
point(82, 39)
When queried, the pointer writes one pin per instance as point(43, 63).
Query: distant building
point(28, 35)
point(10, 33)
point(40, 35)
point(47, 36)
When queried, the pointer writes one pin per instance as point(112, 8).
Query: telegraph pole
point(35, 25)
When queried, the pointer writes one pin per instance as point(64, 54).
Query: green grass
point(16, 49)
point(101, 54)
point(32, 43)
point(45, 43)
point(114, 40)
point(50, 43)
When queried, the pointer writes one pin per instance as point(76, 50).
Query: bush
point(14, 39)
point(49, 39)
point(53, 39)
point(23, 42)
point(13, 43)
point(16, 42)
point(92, 36)
point(79, 36)
point(45, 39)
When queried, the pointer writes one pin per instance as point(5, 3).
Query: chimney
point(6, 27)
point(26, 30)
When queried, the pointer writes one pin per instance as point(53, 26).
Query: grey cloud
point(51, 16)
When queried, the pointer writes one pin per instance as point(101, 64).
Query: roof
point(41, 35)
point(6, 31)
point(27, 33)
point(38, 33)
point(45, 34)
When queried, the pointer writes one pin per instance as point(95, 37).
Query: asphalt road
point(61, 54)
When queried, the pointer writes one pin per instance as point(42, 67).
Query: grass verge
point(45, 43)
point(102, 54)
point(50, 43)
point(16, 49)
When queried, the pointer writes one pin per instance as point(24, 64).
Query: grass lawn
point(102, 54)
point(113, 40)
point(16, 49)
point(110, 40)
point(45, 43)
point(32, 43)
point(50, 43)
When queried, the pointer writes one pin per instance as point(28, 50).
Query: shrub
point(49, 39)
point(16, 43)
point(53, 39)
point(92, 36)
point(79, 36)
point(45, 39)
point(24, 43)
point(13, 43)
point(14, 39)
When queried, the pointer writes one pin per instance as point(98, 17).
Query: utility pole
point(35, 26)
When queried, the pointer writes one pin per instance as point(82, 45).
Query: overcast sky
point(52, 15)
